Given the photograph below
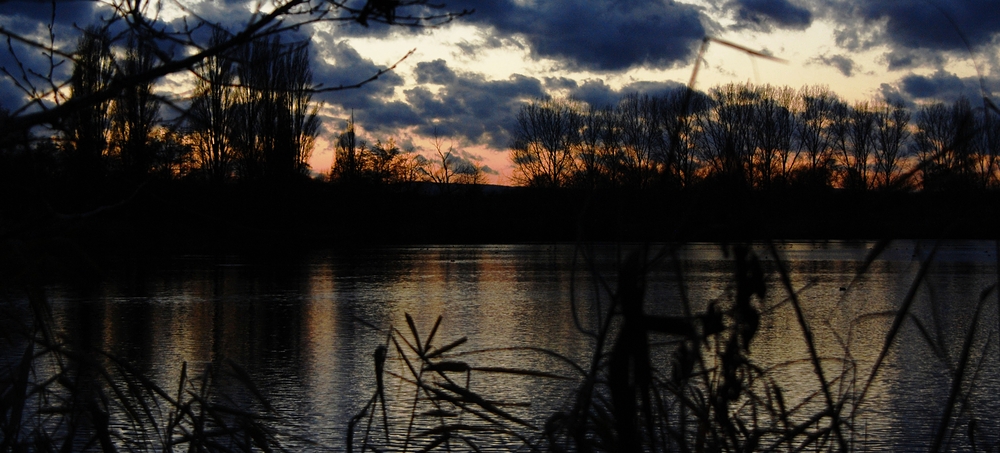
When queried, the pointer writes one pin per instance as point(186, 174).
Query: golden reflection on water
point(307, 329)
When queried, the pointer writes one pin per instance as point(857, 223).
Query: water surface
point(305, 328)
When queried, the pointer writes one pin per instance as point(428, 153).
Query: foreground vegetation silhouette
point(676, 383)
point(729, 164)
point(652, 382)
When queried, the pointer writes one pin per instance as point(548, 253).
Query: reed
point(682, 383)
point(62, 395)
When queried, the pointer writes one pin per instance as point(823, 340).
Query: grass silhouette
point(684, 383)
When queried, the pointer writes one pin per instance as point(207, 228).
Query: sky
point(466, 80)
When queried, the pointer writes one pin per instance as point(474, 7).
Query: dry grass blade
point(448, 429)
point(897, 323)
point(471, 397)
point(522, 372)
point(14, 398)
point(416, 336)
point(415, 349)
point(926, 334)
point(430, 337)
point(811, 344)
point(439, 413)
point(406, 359)
point(456, 367)
point(548, 352)
point(870, 258)
point(959, 376)
point(446, 348)
point(244, 378)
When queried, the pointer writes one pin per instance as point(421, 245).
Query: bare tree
point(774, 127)
point(443, 164)
point(593, 141)
point(945, 141)
point(42, 89)
point(641, 138)
point(546, 134)
point(680, 164)
point(210, 115)
point(813, 132)
point(87, 128)
point(861, 141)
point(892, 122)
point(989, 158)
point(135, 111)
point(470, 173)
point(274, 122)
point(348, 157)
point(727, 140)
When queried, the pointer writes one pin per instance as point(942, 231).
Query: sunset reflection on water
point(305, 328)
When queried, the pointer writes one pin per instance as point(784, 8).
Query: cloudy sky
point(466, 80)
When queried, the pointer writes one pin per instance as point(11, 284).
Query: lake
point(305, 328)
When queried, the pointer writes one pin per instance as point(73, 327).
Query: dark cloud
point(560, 83)
point(408, 20)
point(843, 63)
point(436, 72)
point(595, 93)
point(899, 59)
point(596, 34)
point(337, 63)
point(765, 14)
point(916, 24)
point(468, 105)
point(941, 85)
point(457, 105)
point(487, 41)
point(22, 15)
point(652, 88)
point(891, 93)
point(856, 39)
point(229, 14)
point(598, 94)
point(10, 96)
point(466, 163)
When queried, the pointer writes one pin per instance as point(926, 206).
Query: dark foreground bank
point(172, 217)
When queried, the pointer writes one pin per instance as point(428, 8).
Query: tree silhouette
point(861, 143)
point(774, 126)
point(891, 133)
point(134, 111)
point(544, 140)
point(252, 113)
point(41, 87)
point(384, 163)
point(680, 163)
point(643, 140)
point(600, 145)
point(727, 140)
point(211, 114)
point(945, 142)
point(813, 132)
point(347, 160)
point(443, 164)
point(87, 128)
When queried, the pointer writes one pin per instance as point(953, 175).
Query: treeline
point(250, 116)
point(756, 137)
point(356, 162)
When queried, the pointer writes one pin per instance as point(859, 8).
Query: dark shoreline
point(179, 217)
